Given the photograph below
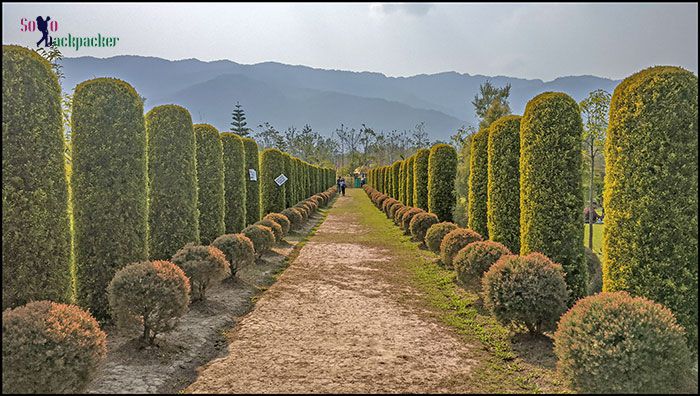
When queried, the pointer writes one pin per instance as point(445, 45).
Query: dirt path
point(334, 323)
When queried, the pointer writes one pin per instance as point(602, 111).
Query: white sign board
point(253, 174)
point(280, 179)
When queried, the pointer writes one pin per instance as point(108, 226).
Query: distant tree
point(420, 136)
point(594, 111)
point(461, 140)
point(238, 126)
point(269, 137)
point(491, 103)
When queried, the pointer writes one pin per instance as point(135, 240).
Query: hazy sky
point(521, 40)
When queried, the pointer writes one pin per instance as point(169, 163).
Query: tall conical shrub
point(478, 183)
point(504, 182)
point(35, 225)
point(272, 196)
point(210, 181)
point(173, 218)
point(420, 179)
point(442, 167)
point(395, 179)
point(290, 185)
point(252, 187)
point(650, 244)
point(409, 180)
point(551, 217)
point(109, 182)
point(235, 176)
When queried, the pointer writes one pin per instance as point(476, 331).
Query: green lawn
point(597, 238)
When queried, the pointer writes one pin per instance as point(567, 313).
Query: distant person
point(337, 182)
point(43, 26)
point(363, 181)
point(342, 186)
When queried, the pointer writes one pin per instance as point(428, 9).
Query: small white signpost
point(280, 179)
point(253, 174)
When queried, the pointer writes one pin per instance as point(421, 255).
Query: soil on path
point(333, 322)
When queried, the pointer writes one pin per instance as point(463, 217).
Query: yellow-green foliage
point(478, 182)
point(173, 217)
point(650, 244)
point(550, 185)
point(395, 179)
point(35, 228)
point(252, 200)
point(436, 233)
point(503, 182)
point(402, 182)
point(442, 167)
point(210, 179)
point(289, 185)
point(409, 180)
point(109, 183)
point(235, 176)
point(420, 179)
point(272, 196)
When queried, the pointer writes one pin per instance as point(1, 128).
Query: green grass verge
point(597, 238)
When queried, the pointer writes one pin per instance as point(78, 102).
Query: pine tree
point(238, 126)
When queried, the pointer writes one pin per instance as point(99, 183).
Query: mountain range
point(293, 95)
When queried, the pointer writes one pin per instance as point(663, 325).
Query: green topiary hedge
point(49, 347)
point(237, 248)
point(442, 167)
point(504, 182)
point(204, 267)
point(478, 182)
point(409, 181)
point(402, 182)
point(109, 182)
point(420, 179)
point(650, 244)
point(235, 178)
point(252, 200)
point(290, 185)
point(613, 343)
point(272, 196)
point(453, 242)
point(395, 179)
point(173, 218)
point(35, 225)
point(436, 233)
point(550, 185)
point(475, 259)
point(420, 223)
point(210, 182)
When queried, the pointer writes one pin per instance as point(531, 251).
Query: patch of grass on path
point(526, 365)
point(597, 238)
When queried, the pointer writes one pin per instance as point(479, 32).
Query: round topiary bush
point(478, 182)
point(210, 181)
point(399, 210)
point(420, 179)
point(380, 200)
point(252, 187)
point(393, 209)
point(303, 211)
point(595, 272)
point(274, 226)
point(651, 191)
point(173, 218)
point(280, 219)
point(50, 348)
point(436, 233)
point(235, 179)
point(152, 294)
point(35, 225)
point(296, 221)
point(454, 242)
point(614, 343)
point(262, 237)
point(203, 265)
point(406, 218)
point(420, 223)
point(387, 205)
point(526, 290)
point(442, 167)
point(237, 248)
point(550, 185)
point(473, 260)
point(503, 190)
point(109, 184)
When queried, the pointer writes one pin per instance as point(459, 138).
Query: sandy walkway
point(331, 324)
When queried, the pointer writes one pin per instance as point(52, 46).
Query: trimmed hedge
point(504, 182)
point(420, 223)
point(436, 233)
point(550, 185)
point(173, 218)
point(650, 244)
point(289, 185)
point(442, 168)
point(152, 294)
point(261, 236)
point(252, 187)
point(409, 180)
point(49, 347)
point(395, 179)
point(420, 179)
point(237, 248)
point(526, 290)
point(274, 226)
point(453, 242)
point(35, 225)
point(282, 220)
point(203, 265)
point(235, 180)
point(210, 181)
point(295, 218)
point(407, 217)
point(478, 182)
point(475, 259)
point(614, 343)
point(272, 196)
point(109, 182)
point(402, 182)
